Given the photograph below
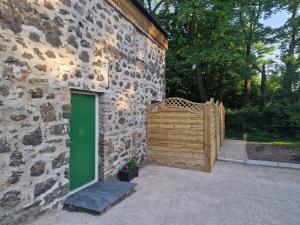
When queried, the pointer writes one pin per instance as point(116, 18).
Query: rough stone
point(122, 120)
point(53, 38)
point(38, 168)
point(67, 173)
point(66, 111)
point(42, 68)
point(27, 55)
point(97, 52)
point(36, 93)
point(17, 117)
point(16, 159)
point(57, 193)
point(59, 161)
point(50, 54)
point(48, 149)
point(14, 178)
point(85, 43)
point(99, 23)
point(58, 21)
point(119, 37)
point(4, 145)
point(50, 96)
point(97, 63)
point(34, 138)
point(34, 37)
point(63, 12)
point(13, 61)
point(116, 157)
point(118, 67)
point(10, 199)
point(4, 90)
point(59, 130)
point(72, 41)
point(38, 53)
point(48, 4)
point(42, 187)
point(127, 144)
point(66, 2)
point(48, 113)
point(84, 56)
point(78, 74)
point(91, 76)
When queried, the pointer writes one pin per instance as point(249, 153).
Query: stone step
point(99, 197)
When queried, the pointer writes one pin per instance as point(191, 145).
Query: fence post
point(223, 118)
point(207, 136)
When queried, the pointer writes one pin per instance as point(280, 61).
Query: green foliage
point(132, 164)
point(279, 118)
point(265, 137)
point(215, 45)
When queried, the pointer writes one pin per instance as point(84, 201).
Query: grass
point(268, 138)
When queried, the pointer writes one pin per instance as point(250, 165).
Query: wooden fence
point(185, 134)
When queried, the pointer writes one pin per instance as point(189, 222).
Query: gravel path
point(233, 150)
point(233, 194)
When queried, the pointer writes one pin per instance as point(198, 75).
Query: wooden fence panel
point(184, 134)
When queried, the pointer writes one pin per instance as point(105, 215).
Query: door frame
point(96, 138)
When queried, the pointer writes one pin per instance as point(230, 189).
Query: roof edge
point(149, 17)
point(135, 13)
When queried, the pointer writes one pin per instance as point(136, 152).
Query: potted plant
point(129, 171)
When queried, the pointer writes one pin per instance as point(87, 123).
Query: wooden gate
point(185, 134)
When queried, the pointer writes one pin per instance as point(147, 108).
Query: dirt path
point(266, 152)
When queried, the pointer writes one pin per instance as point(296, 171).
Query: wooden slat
point(190, 132)
point(155, 148)
point(175, 115)
point(182, 126)
point(177, 120)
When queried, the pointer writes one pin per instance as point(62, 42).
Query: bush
point(281, 118)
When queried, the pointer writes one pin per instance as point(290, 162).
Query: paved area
point(234, 150)
point(233, 194)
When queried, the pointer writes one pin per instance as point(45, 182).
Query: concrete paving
point(233, 194)
point(233, 150)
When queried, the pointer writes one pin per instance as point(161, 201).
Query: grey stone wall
point(47, 48)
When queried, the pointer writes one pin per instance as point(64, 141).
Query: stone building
point(74, 74)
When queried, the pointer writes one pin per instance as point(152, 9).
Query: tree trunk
point(263, 85)
point(201, 86)
point(247, 81)
point(247, 89)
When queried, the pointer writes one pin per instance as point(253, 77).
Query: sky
point(276, 21)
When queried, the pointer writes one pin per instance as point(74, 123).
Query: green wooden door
point(82, 134)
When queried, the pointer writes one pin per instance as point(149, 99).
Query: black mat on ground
point(99, 196)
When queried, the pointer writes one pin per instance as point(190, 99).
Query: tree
point(290, 50)
point(261, 51)
point(249, 13)
point(199, 45)
point(152, 5)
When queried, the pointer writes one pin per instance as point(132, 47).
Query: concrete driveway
point(233, 194)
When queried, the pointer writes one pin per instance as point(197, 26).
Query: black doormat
point(99, 197)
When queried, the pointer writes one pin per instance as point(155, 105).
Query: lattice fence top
point(176, 103)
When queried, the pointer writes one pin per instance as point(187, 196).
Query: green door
point(82, 134)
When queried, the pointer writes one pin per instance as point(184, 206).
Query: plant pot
point(127, 175)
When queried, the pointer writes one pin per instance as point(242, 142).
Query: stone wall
point(48, 47)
